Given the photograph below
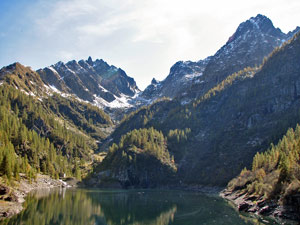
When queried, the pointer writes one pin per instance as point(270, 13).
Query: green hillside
point(140, 159)
point(48, 133)
point(231, 122)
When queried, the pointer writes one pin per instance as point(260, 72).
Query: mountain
point(23, 78)
point(42, 131)
point(221, 110)
point(182, 75)
point(272, 186)
point(92, 81)
point(141, 159)
point(253, 40)
point(232, 121)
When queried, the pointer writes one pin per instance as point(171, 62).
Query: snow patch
point(102, 88)
point(199, 81)
point(119, 102)
point(192, 76)
point(25, 92)
point(254, 22)
point(68, 69)
point(31, 94)
point(53, 88)
point(185, 102)
point(52, 69)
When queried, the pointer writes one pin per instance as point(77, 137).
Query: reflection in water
point(98, 207)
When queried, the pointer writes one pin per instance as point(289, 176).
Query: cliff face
point(147, 172)
point(141, 159)
point(181, 77)
point(92, 81)
point(232, 121)
point(253, 40)
point(247, 115)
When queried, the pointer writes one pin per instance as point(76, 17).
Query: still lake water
point(136, 207)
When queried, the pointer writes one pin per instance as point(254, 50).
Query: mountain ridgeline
point(201, 125)
point(92, 81)
point(43, 132)
point(253, 40)
point(140, 159)
point(235, 119)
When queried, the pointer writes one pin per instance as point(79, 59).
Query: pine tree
point(17, 171)
point(77, 172)
point(6, 165)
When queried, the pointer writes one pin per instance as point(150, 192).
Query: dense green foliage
point(275, 172)
point(142, 117)
point(140, 159)
point(87, 117)
point(34, 139)
point(143, 141)
point(23, 150)
point(177, 142)
point(238, 117)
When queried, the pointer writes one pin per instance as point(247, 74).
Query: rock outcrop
point(92, 81)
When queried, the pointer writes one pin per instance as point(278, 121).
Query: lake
point(136, 207)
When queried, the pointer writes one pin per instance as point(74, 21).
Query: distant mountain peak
point(259, 24)
point(260, 19)
point(292, 33)
point(90, 60)
point(154, 81)
point(22, 78)
point(14, 67)
point(58, 64)
point(253, 40)
point(94, 81)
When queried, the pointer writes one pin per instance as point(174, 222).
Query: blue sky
point(145, 38)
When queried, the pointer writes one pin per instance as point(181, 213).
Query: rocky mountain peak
point(177, 67)
point(22, 78)
point(90, 61)
point(182, 75)
point(259, 24)
point(94, 81)
point(154, 81)
point(253, 40)
point(292, 33)
point(58, 64)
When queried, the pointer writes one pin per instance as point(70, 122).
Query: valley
point(200, 126)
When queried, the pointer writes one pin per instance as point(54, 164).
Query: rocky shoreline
point(259, 206)
point(12, 198)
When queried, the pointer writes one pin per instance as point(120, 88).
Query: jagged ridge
point(93, 81)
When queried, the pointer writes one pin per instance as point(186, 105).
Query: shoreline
point(259, 206)
point(16, 196)
point(12, 198)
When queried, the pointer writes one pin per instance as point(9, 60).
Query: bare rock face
point(253, 204)
point(181, 77)
point(253, 40)
point(88, 79)
point(234, 120)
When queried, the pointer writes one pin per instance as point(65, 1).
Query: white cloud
point(145, 37)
